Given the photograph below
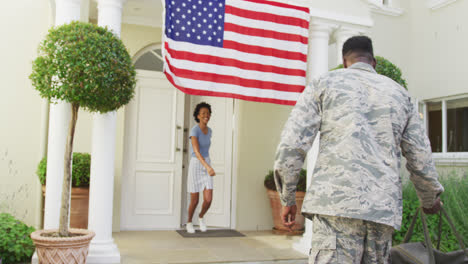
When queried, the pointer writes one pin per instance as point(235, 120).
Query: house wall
point(390, 36)
point(23, 26)
point(437, 41)
point(259, 129)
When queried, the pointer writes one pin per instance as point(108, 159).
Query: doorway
point(156, 146)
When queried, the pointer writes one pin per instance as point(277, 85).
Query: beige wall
point(23, 24)
point(259, 128)
point(390, 36)
point(437, 43)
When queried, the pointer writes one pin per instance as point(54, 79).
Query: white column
point(101, 192)
point(59, 118)
point(341, 35)
point(317, 64)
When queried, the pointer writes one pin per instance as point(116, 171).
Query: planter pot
point(276, 206)
point(66, 250)
point(78, 207)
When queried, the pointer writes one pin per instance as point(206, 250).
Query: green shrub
point(269, 181)
point(385, 67)
point(455, 199)
point(15, 242)
point(80, 169)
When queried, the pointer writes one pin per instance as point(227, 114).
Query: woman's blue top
point(204, 141)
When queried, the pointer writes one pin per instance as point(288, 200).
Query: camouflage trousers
point(339, 240)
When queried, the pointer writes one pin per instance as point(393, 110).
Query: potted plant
point(386, 68)
point(276, 206)
point(89, 67)
point(81, 167)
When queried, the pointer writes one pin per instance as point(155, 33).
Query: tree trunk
point(66, 188)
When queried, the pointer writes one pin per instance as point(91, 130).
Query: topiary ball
point(385, 67)
point(85, 65)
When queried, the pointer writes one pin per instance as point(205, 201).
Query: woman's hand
point(210, 171)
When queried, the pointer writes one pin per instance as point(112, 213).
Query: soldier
point(355, 197)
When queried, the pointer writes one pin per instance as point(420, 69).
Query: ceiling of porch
point(137, 12)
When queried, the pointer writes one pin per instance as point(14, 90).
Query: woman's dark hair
point(198, 108)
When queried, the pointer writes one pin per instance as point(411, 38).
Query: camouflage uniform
point(363, 119)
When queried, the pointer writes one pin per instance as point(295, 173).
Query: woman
point(200, 171)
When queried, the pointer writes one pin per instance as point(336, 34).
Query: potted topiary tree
point(275, 203)
point(385, 67)
point(89, 67)
point(81, 169)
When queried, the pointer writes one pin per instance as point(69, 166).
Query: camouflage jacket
point(366, 121)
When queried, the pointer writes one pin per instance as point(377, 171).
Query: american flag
point(254, 50)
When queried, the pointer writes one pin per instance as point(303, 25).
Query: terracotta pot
point(275, 203)
point(78, 207)
point(66, 250)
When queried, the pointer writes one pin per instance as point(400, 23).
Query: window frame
point(444, 157)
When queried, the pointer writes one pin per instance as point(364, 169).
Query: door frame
point(234, 150)
point(234, 157)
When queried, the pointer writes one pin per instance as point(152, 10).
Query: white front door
point(221, 123)
point(152, 170)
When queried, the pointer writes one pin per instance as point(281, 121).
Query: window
point(151, 60)
point(447, 126)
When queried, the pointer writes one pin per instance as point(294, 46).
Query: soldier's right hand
point(435, 207)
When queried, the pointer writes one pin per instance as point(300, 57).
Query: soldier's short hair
point(360, 45)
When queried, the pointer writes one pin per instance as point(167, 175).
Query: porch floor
point(170, 247)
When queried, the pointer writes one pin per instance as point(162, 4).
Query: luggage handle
point(427, 237)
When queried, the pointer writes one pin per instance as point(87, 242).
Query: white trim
point(142, 21)
point(386, 10)
point(451, 158)
point(341, 18)
point(436, 4)
point(143, 51)
point(234, 171)
point(444, 126)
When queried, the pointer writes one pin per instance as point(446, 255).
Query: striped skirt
point(198, 178)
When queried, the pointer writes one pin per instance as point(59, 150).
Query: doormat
point(212, 233)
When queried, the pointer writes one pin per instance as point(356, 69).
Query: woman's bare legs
point(207, 198)
point(193, 205)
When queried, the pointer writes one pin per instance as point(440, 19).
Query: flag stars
point(196, 21)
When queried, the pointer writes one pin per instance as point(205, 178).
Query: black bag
point(423, 253)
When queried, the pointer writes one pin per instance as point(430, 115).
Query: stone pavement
point(169, 247)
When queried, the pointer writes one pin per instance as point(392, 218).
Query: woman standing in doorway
point(200, 171)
